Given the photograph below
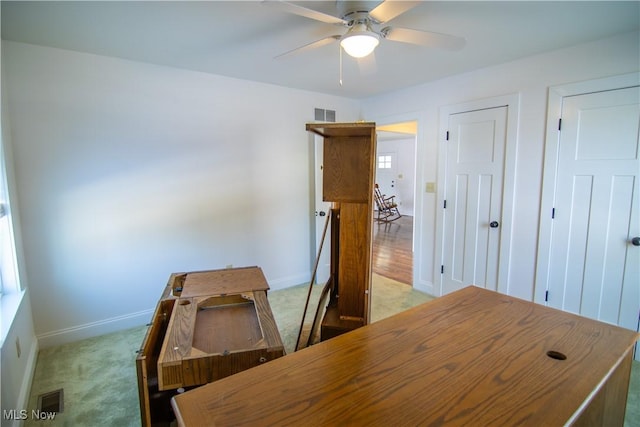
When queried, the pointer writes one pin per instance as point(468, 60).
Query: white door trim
point(512, 102)
point(549, 175)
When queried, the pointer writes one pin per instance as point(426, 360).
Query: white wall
point(128, 172)
point(404, 148)
point(530, 78)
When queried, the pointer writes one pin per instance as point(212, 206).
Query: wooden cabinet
point(207, 325)
point(348, 178)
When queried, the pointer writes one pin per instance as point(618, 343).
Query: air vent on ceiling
point(322, 115)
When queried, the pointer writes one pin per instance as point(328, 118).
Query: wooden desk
point(473, 357)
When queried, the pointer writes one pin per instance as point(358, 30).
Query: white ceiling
point(241, 38)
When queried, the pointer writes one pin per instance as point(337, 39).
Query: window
point(384, 162)
point(11, 292)
point(8, 267)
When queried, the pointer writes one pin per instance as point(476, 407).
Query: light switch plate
point(431, 187)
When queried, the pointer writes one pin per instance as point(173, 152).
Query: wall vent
point(52, 401)
point(322, 115)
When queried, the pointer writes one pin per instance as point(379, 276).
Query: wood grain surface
point(209, 338)
point(347, 169)
point(473, 357)
point(354, 275)
point(224, 281)
point(393, 249)
point(342, 129)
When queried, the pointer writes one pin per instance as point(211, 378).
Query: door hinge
point(444, 206)
point(442, 269)
point(447, 137)
point(546, 296)
point(560, 124)
point(553, 213)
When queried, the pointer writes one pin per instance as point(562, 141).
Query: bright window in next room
point(384, 162)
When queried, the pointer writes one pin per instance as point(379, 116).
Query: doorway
point(395, 175)
point(396, 163)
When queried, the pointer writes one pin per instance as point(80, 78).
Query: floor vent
point(51, 402)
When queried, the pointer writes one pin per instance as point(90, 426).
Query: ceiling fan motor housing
point(359, 17)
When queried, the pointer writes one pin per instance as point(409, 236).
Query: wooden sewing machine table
point(473, 357)
point(208, 325)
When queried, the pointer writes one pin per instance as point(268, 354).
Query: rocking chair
point(387, 207)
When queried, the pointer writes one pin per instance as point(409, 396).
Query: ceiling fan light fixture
point(360, 41)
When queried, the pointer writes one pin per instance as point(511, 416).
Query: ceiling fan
point(365, 28)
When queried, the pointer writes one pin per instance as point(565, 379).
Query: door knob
point(635, 241)
point(322, 213)
point(494, 224)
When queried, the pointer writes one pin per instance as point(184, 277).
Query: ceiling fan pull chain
point(340, 77)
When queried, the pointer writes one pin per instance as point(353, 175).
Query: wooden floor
point(392, 249)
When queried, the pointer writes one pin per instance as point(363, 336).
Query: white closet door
point(593, 263)
point(473, 193)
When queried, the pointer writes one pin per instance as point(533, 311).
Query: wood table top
point(224, 282)
point(473, 357)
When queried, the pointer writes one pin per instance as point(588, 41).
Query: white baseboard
point(426, 287)
point(94, 329)
point(287, 282)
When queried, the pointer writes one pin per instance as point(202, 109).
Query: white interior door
point(322, 212)
point(475, 159)
point(594, 264)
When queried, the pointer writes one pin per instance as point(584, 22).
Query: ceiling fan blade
point(309, 46)
point(389, 9)
point(303, 11)
point(368, 65)
point(424, 38)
